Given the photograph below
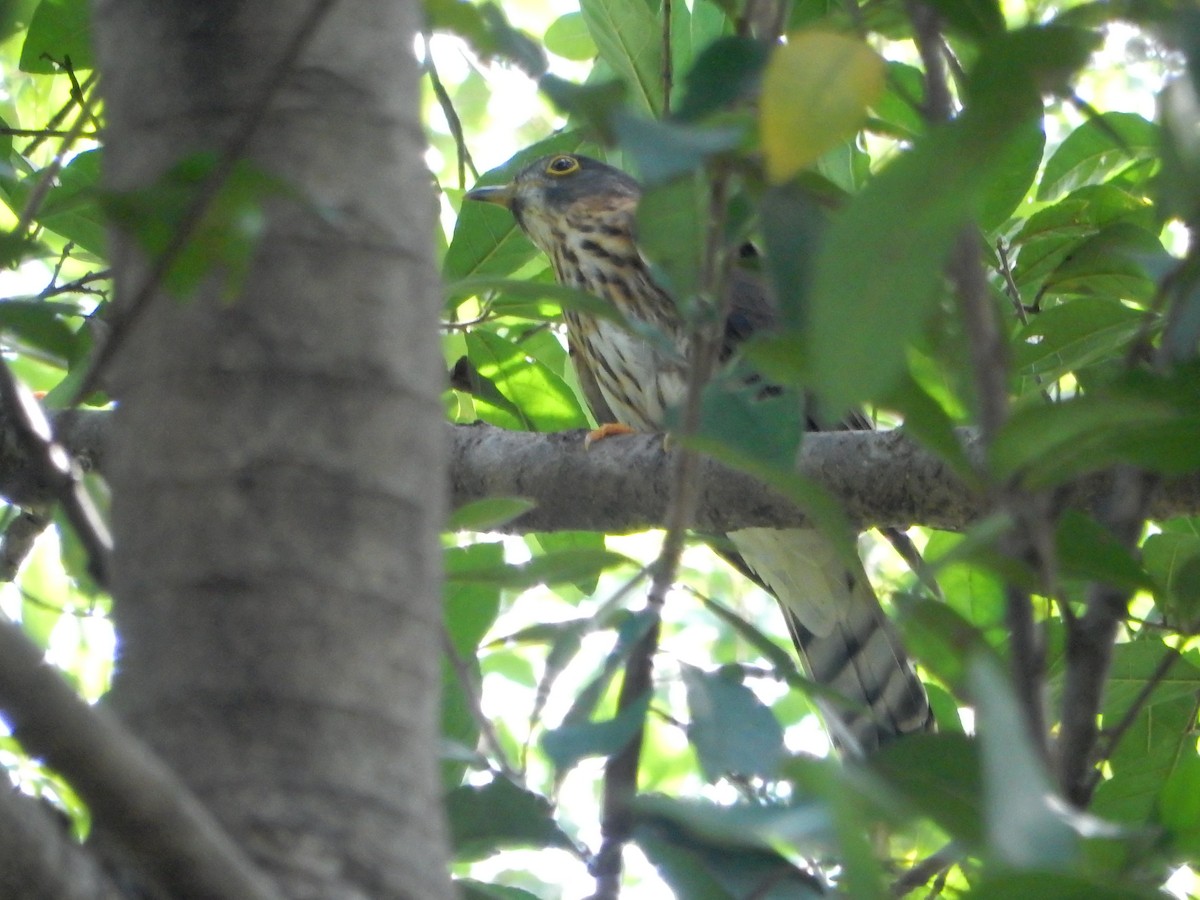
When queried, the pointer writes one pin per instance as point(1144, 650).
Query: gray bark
point(277, 458)
point(882, 479)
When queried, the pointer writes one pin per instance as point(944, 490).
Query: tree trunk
point(277, 466)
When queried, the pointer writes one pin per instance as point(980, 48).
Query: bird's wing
point(841, 632)
point(591, 390)
point(837, 624)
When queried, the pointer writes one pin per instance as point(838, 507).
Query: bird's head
point(564, 198)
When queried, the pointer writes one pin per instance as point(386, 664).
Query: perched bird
point(581, 213)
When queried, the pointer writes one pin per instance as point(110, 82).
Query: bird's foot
point(608, 429)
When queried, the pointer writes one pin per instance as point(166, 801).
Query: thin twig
point(1090, 642)
point(132, 794)
point(926, 869)
point(621, 771)
point(452, 120)
point(19, 537)
point(78, 286)
point(1022, 312)
point(463, 673)
point(52, 129)
point(56, 468)
point(1010, 285)
point(597, 620)
point(928, 37)
point(231, 154)
point(44, 133)
point(1112, 736)
point(48, 175)
point(1032, 540)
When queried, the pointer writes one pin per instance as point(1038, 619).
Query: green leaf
point(547, 542)
point(881, 267)
point(940, 775)
point(1179, 807)
point(898, 110)
point(594, 104)
point(1072, 335)
point(1160, 736)
point(683, 865)
point(471, 604)
point(1150, 751)
point(732, 731)
point(72, 206)
point(631, 628)
point(765, 429)
point(661, 151)
point(725, 71)
point(976, 19)
point(514, 293)
point(1008, 885)
point(46, 594)
point(1025, 827)
point(879, 271)
point(1089, 551)
point(486, 238)
point(464, 19)
point(700, 865)
point(567, 745)
point(794, 227)
point(568, 37)
point(552, 568)
point(469, 612)
point(59, 30)
point(928, 422)
point(543, 400)
point(15, 16)
point(1180, 155)
point(694, 28)
point(1050, 235)
point(1108, 264)
point(500, 815)
point(815, 94)
point(488, 513)
point(1099, 147)
point(671, 224)
point(629, 38)
point(1014, 175)
point(741, 825)
point(941, 638)
point(469, 889)
point(1083, 434)
point(1173, 560)
point(40, 324)
point(222, 242)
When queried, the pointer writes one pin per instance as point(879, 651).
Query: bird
point(581, 213)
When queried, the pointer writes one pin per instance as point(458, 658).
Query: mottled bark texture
point(881, 478)
point(277, 464)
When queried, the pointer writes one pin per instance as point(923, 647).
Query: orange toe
point(608, 429)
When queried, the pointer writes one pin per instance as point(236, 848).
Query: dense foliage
point(889, 203)
point(907, 173)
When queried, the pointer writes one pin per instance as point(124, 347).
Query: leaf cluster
point(856, 175)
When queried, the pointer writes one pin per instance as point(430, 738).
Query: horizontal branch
point(882, 478)
point(133, 797)
point(41, 858)
point(620, 484)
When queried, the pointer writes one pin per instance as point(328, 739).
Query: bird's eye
point(562, 165)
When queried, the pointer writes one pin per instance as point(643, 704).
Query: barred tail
point(842, 634)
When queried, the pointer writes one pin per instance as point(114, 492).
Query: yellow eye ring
point(562, 165)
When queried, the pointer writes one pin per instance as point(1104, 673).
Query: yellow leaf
point(816, 91)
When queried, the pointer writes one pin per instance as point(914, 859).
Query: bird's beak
point(500, 194)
